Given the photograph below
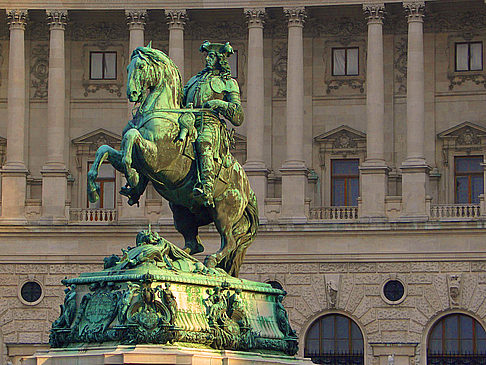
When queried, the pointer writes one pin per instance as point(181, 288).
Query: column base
point(415, 176)
point(294, 182)
point(373, 181)
point(14, 188)
point(54, 194)
point(257, 175)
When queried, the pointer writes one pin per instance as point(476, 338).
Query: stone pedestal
point(54, 194)
point(294, 181)
point(14, 182)
point(156, 354)
point(374, 181)
point(414, 191)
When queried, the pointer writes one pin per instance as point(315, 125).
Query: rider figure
point(212, 88)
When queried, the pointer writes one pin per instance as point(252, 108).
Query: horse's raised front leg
point(147, 148)
point(103, 153)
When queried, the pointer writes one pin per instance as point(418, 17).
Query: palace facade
point(364, 140)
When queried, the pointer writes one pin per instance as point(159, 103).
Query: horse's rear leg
point(228, 243)
point(147, 148)
point(103, 153)
point(186, 224)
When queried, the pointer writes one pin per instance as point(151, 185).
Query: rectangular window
point(106, 179)
point(233, 62)
point(469, 56)
point(468, 179)
point(102, 65)
point(344, 182)
point(345, 61)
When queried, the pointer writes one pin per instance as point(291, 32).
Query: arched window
point(457, 339)
point(334, 340)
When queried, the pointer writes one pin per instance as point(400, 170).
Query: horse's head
point(151, 69)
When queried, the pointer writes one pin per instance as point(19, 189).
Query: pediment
point(466, 133)
point(342, 137)
point(98, 137)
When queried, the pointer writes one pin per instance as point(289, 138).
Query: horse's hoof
point(94, 195)
point(199, 248)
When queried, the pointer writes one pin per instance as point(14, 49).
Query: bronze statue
point(158, 146)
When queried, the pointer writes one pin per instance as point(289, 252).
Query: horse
point(152, 150)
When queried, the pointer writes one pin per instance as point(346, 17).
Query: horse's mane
point(163, 70)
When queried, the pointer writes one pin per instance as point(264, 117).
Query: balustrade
point(78, 215)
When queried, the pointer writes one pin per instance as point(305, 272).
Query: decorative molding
point(470, 22)
point(157, 30)
point(136, 19)
point(103, 31)
point(275, 26)
point(400, 65)
point(38, 30)
point(255, 17)
point(295, 16)
point(226, 30)
point(414, 10)
point(374, 12)
point(17, 18)
point(176, 18)
point(88, 144)
point(464, 137)
point(454, 282)
point(57, 19)
point(343, 29)
point(353, 83)
point(279, 69)
point(342, 141)
point(39, 70)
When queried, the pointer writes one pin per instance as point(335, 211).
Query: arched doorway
point(457, 339)
point(334, 339)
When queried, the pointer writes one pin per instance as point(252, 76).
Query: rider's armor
point(206, 86)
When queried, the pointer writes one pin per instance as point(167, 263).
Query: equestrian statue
point(178, 140)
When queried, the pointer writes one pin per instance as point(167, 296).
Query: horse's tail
point(244, 232)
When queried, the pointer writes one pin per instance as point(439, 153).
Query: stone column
point(374, 170)
point(255, 113)
point(414, 168)
point(14, 172)
point(176, 20)
point(294, 171)
point(54, 172)
point(136, 19)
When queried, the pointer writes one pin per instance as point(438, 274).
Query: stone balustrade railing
point(333, 213)
point(455, 211)
point(80, 215)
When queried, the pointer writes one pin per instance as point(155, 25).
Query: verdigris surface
point(178, 140)
point(157, 293)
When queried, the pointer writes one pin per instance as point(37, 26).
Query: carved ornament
point(103, 31)
point(343, 29)
point(255, 17)
point(176, 19)
point(136, 19)
point(57, 19)
point(465, 137)
point(279, 69)
point(295, 16)
point(225, 30)
point(39, 70)
point(414, 10)
point(400, 65)
point(374, 12)
point(17, 19)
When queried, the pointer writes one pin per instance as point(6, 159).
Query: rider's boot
point(205, 189)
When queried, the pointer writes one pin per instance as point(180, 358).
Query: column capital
point(176, 18)
point(295, 16)
point(375, 12)
point(136, 18)
point(57, 19)
point(415, 10)
point(17, 18)
point(255, 17)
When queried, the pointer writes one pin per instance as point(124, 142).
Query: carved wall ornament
point(136, 19)
point(344, 29)
point(465, 22)
point(279, 69)
point(176, 19)
point(39, 70)
point(255, 17)
point(276, 26)
point(224, 30)
point(341, 139)
point(454, 289)
point(332, 293)
point(158, 30)
point(37, 30)
point(295, 16)
point(103, 31)
point(17, 18)
point(400, 65)
point(3, 150)
point(375, 12)
point(355, 84)
point(57, 19)
point(414, 10)
point(87, 144)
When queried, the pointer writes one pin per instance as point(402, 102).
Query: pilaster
point(54, 172)
point(294, 171)
point(14, 172)
point(176, 19)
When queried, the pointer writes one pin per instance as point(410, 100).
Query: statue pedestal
point(156, 354)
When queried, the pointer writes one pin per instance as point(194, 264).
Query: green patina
point(156, 292)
